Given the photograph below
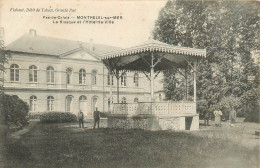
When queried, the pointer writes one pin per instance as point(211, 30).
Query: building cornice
point(68, 90)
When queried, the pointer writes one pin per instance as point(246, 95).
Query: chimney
point(2, 35)
point(91, 47)
point(32, 32)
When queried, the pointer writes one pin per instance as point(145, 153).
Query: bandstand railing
point(156, 108)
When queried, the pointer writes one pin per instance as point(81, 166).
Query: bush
point(14, 111)
point(35, 115)
point(202, 108)
point(104, 114)
point(57, 117)
point(252, 111)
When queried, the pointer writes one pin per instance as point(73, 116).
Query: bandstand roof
point(139, 58)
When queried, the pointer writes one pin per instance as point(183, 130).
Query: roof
point(152, 53)
point(155, 46)
point(53, 46)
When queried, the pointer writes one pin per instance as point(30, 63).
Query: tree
point(229, 31)
point(4, 55)
point(14, 110)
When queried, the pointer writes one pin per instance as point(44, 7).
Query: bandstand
point(151, 58)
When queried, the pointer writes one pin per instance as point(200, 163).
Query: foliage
point(57, 117)
point(4, 55)
point(104, 114)
point(173, 86)
point(202, 107)
point(229, 31)
point(14, 111)
point(35, 115)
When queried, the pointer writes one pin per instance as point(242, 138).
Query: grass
point(242, 133)
point(53, 145)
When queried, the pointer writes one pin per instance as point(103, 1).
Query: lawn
point(55, 145)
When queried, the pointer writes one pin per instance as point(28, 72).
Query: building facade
point(67, 76)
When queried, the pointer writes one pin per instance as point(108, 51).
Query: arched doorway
point(83, 104)
point(69, 107)
point(95, 104)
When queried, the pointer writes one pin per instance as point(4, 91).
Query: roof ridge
point(47, 45)
point(62, 39)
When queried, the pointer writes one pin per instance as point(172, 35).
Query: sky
point(138, 19)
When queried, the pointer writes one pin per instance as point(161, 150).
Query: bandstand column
point(117, 85)
point(152, 83)
point(186, 84)
point(152, 78)
point(194, 82)
point(110, 90)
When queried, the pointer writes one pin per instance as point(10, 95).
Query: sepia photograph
point(129, 84)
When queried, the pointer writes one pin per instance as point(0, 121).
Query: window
point(94, 77)
point(82, 76)
point(50, 74)
point(33, 100)
point(123, 79)
point(32, 73)
point(68, 74)
point(136, 76)
point(82, 98)
point(123, 100)
point(50, 103)
point(14, 69)
point(110, 78)
point(136, 100)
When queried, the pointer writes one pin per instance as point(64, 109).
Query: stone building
point(53, 74)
